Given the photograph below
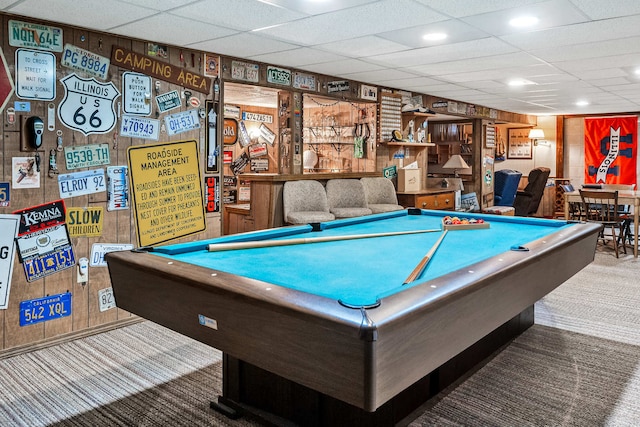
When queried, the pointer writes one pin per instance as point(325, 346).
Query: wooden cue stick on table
point(425, 260)
point(217, 247)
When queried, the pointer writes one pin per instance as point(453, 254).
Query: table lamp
point(535, 135)
point(455, 162)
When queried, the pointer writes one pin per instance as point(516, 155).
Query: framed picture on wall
point(519, 146)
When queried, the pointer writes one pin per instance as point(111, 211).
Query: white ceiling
point(579, 50)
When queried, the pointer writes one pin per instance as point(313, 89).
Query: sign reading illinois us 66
point(88, 105)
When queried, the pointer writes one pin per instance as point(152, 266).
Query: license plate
point(81, 183)
point(82, 60)
point(98, 251)
point(86, 156)
point(139, 127)
point(43, 309)
point(182, 122)
point(42, 265)
point(106, 299)
point(168, 101)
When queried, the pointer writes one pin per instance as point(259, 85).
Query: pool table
point(328, 333)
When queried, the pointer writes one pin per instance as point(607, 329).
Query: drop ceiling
point(580, 50)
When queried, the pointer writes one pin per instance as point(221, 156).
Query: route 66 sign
point(88, 105)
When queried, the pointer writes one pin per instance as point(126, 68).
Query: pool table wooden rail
point(316, 342)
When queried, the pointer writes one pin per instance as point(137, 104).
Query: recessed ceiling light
point(520, 82)
point(434, 37)
point(582, 103)
point(523, 21)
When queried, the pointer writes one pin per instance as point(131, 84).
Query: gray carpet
point(578, 366)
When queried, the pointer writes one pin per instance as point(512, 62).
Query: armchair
point(506, 187)
point(528, 200)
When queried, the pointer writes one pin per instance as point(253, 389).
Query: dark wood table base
point(279, 401)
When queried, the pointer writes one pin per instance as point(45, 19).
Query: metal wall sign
point(81, 183)
point(26, 34)
point(182, 122)
point(212, 193)
point(86, 156)
point(136, 93)
point(85, 222)
point(106, 300)
point(98, 251)
point(5, 194)
point(279, 76)
point(46, 252)
point(88, 105)
point(168, 101)
point(6, 85)
point(256, 117)
point(338, 86)
point(117, 188)
point(79, 59)
point(304, 81)
point(40, 217)
point(139, 127)
point(166, 188)
point(9, 225)
point(43, 309)
point(245, 71)
point(35, 75)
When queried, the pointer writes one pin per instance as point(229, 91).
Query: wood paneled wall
point(118, 227)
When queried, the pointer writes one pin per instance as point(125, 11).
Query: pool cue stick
point(217, 247)
point(424, 261)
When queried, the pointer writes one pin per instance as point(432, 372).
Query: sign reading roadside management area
point(167, 191)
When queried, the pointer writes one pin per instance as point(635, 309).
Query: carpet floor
point(577, 366)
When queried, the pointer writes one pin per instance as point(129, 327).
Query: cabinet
point(450, 139)
point(237, 219)
point(428, 200)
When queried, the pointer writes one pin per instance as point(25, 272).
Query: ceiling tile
point(551, 14)
point(362, 47)
point(456, 32)
point(243, 45)
point(318, 7)
point(297, 57)
point(355, 22)
point(466, 8)
point(243, 15)
point(191, 31)
point(97, 14)
point(608, 9)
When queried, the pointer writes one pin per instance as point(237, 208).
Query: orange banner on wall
point(610, 145)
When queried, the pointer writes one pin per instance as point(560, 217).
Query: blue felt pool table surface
point(361, 271)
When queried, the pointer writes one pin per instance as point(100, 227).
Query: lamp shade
point(455, 162)
point(536, 134)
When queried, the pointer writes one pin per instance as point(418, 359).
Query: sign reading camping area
point(88, 105)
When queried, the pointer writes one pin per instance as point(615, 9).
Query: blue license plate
point(43, 265)
point(43, 309)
